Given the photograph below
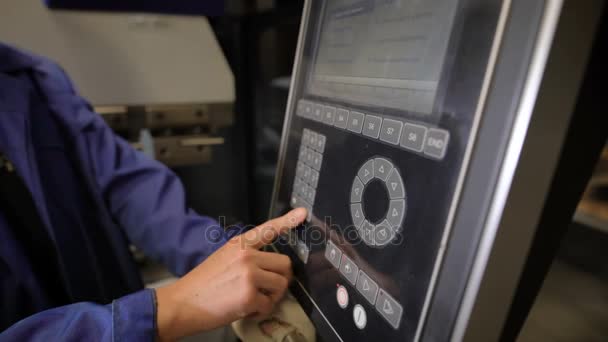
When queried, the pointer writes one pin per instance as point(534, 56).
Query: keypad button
point(356, 213)
point(394, 184)
point(308, 207)
point(356, 191)
point(382, 168)
point(311, 195)
point(366, 172)
point(291, 237)
point(333, 254)
point(314, 178)
point(302, 251)
point(367, 233)
point(296, 185)
point(436, 143)
point(348, 269)
point(329, 115)
point(320, 143)
point(310, 157)
point(384, 234)
point(391, 131)
point(308, 109)
point(389, 308)
point(306, 137)
point(367, 287)
point(312, 141)
point(317, 161)
point(300, 170)
point(396, 213)
point(413, 137)
point(303, 192)
point(355, 122)
point(306, 174)
point(341, 118)
point(372, 125)
point(295, 200)
point(302, 153)
point(317, 112)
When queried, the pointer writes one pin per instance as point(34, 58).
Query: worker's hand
point(236, 281)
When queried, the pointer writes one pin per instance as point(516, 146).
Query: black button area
point(376, 201)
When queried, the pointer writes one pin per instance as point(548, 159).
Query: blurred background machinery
point(161, 81)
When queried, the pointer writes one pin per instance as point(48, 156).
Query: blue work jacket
point(95, 195)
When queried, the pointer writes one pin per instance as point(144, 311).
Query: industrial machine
point(441, 147)
point(162, 74)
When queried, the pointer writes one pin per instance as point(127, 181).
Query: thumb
point(265, 233)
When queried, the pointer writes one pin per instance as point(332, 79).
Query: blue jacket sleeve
point(148, 201)
point(143, 196)
point(130, 318)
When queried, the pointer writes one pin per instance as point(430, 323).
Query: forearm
point(130, 318)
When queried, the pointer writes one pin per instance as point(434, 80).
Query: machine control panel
point(374, 147)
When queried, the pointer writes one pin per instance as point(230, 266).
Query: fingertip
point(297, 215)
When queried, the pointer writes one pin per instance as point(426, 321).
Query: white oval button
point(360, 316)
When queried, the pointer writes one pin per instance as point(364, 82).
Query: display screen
point(386, 53)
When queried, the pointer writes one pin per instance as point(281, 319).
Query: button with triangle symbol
point(367, 287)
point(396, 213)
point(382, 168)
point(356, 190)
point(389, 308)
point(366, 172)
point(356, 213)
point(384, 234)
point(395, 185)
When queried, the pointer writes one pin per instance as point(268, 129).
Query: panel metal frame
point(512, 163)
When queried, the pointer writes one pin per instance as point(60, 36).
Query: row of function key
point(430, 142)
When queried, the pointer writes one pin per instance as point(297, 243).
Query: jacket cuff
point(134, 317)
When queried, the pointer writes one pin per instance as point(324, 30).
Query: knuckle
point(245, 255)
point(249, 295)
point(286, 261)
point(248, 276)
point(283, 284)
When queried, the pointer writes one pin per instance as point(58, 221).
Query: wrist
point(167, 315)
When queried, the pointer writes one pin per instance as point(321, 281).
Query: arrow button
point(367, 287)
point(389, 308)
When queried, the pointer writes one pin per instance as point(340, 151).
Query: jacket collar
point(13, 59)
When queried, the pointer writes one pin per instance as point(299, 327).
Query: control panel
point(375, 145)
